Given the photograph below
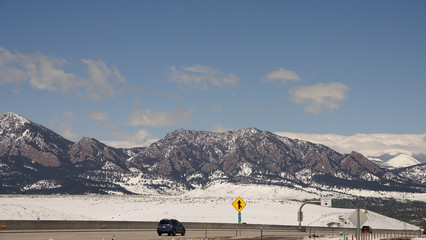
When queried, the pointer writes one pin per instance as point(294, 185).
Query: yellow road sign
point(239, 204)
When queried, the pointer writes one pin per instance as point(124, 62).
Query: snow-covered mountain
point(401, 161)
point(416, 173)
point(34, 159)
point(395, 162)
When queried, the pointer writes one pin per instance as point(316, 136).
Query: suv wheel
point(183, 232)
point(174, 232)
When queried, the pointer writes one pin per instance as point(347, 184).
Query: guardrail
point(351, 233)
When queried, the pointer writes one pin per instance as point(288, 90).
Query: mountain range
point(36, 160)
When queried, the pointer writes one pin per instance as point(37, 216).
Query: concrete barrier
point(64, 225)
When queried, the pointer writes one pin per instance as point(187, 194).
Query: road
point(149, 235)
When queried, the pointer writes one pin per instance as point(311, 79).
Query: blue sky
point(131, 71)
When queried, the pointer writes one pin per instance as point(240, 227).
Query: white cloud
point(125, 140)
point(48, 73)
point(282, 75)
point(9, 73)
point(64, 125)
point(199, 77)
point(367, 144)
point(41, 72)
point(145, 117)
point(67, 132)
point(99, 116)
point(218, 128)
point(320, 96)
point(102, 80)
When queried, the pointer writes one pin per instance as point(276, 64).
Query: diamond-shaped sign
point(239, 204)
point(354, 218)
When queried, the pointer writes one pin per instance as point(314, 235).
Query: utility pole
point(358, 227)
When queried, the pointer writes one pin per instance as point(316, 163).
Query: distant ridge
point(34, 159)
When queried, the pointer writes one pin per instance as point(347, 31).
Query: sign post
point(358, 218)
point(239, 204)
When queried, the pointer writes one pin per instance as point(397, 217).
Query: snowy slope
point(417, 173)
point(187, 209)
point(400, 161)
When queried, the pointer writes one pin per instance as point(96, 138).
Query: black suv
point(171, 227)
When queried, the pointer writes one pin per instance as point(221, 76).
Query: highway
point(149, 235)
point(105, 230)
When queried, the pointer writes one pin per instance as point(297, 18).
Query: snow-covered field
point(264, 206)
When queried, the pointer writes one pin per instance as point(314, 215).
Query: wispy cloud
point(99, 116)
point(145, 117)
point(368, 144)
point(142, 138)
point(320, 96)
point(281, 75)
point(64, 123)
point(41, 72)
point(102, 81)
point(220, 128)
point(199, 77)
point(48, 73)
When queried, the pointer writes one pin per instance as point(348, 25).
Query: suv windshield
point(165, 222)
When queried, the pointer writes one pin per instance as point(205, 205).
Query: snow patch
point(42, 184)
point(246, 170)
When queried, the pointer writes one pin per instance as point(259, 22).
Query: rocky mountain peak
point(89, 140)
point(11, 122)
point(12, 117)
point(369, 165)
point(22, 139)
point(183, 159)
point(248, 131)
point(91, 150)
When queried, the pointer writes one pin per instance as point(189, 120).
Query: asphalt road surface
point(150, 235)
